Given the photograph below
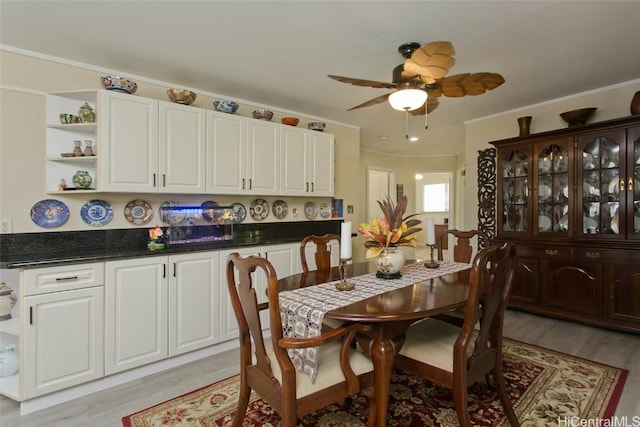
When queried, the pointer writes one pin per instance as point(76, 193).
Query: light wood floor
point(106, 408)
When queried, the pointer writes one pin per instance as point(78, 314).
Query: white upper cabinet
point(151, 145)
point(307, 162)
point(243, 155)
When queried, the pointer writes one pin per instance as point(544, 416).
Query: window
point(435, 197)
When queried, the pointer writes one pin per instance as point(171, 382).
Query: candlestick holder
point(432, 263)
point(344, 284)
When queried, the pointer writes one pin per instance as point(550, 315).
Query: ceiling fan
point(423, 75)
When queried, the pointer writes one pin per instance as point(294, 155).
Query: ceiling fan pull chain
point(426, 118)
point(406, 124)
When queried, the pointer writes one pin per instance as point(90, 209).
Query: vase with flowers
point(385, 234)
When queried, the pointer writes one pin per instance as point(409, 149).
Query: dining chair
point(462, 249)
point(265, 365)
point(322, 255)
point(456, 357)
point(462, 252)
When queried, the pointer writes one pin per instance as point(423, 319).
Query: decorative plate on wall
point(138, 212)
point(96, 212)
point(259, 209)
point(209, 211)
point(310, 210)
point(280, 209)
point(325, 210)
point(239, 212)
point(49, 213)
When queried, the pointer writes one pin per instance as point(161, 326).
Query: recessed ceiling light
point(383, 137)
point(413, 139)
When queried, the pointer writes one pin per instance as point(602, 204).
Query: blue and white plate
point(325, 210)
point(96, 212)
point(49, 213)
point(239, 212)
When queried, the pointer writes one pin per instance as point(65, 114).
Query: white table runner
point(302, 310)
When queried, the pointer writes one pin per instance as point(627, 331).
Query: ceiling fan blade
point(428, 107)
point(377, 100)
point(431, 62)
point(362, 82)
point(466, 84)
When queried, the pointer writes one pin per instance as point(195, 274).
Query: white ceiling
point(278, 53)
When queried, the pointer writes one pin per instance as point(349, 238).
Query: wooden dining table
point(386, 317)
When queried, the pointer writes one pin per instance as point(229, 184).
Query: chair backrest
point(491, 281)
point(322, 255)
point(462, 249)
point(247, 309)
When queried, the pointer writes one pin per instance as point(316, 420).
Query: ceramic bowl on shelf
point(262, 114)
point(578, 117)
point(290, 121)
point(119, 84)
point(225, 106)
point(181, 96)
point(319, 126)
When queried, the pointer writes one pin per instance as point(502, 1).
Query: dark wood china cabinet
point(570, 201)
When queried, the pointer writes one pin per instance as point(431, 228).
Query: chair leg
point(243, 404)
point(498, 378)
point(462, 408)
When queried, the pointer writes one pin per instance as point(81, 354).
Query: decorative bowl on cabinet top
point(181, 96)
point(119, 84)
point(290, 121)
point(225, 106)
point(319, 126)
point(262, 114)
point(578, 117)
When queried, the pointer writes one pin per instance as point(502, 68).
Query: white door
point(226, 153)
point(181, 137)
point(136, 312)
point(128, 143)
point(63, 340)
point(379, 186)
point(193, 300)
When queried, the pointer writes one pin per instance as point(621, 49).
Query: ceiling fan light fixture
point(407, 99)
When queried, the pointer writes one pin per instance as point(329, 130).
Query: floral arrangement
point(391, 230)
point(156, 235)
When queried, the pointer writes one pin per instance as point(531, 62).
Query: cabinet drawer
point(544, 252)
point(62, 278)
point(608, 256)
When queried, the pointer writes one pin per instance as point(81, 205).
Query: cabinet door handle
point(313, 187)
point(630, 184)
point(243, 183)
point(154, 179)
point(62, 279)
point(31, 315)
point(307, 187)
point(551, 252)
point(164, 270)
point(622, 184)
point(250, 184)
point(175, 269)
point(593, 255)
point(164, 180)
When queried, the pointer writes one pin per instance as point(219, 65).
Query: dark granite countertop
point(32, 250)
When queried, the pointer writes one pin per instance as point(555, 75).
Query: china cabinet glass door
point(601, 193)
point(515, 181)
point(553, 190)
point(633, 184)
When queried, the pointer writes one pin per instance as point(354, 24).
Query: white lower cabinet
point(62, 341)
point(310, 251)
point(159, 307)
point(285, 259)
point(193, 301)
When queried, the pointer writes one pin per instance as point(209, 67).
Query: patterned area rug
point(543, 385)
